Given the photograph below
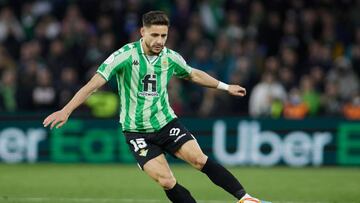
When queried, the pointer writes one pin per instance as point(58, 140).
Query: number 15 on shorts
point(138, 144)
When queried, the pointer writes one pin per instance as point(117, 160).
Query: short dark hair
point(155, 18)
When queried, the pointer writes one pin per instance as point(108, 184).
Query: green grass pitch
point(83, 183)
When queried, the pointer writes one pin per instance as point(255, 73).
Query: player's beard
point(152, 48)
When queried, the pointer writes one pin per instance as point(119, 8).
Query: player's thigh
point(159, 170)
point(142, 147)
point(173, 136)
point(192, 153)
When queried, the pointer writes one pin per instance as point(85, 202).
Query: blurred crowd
point(296, 58)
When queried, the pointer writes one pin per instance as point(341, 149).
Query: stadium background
point(296, 132)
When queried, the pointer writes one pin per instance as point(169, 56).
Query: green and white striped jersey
point(142, 85)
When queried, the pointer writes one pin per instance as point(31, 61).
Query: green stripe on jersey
point(126, 81)
point(134, 85)
point(154, 120)
point(144, 103)
point(139, 120)
point(169, 113)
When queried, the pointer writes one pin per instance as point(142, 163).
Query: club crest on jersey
point(149, 86)
point(143, 152)
point(165, 63)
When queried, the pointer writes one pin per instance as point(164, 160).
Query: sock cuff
point(179, 194)
point(174, 188)
point(208, 165)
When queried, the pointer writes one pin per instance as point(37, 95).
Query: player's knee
point(167, 182)
point(199, 161)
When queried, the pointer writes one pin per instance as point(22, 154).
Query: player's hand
point(57, 119)
point(237, 90)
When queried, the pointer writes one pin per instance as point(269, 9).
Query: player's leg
point(159, 170)
point(178, 141)
point(151, 159)
point(192, 153)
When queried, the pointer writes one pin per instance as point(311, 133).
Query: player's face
point(154, 37)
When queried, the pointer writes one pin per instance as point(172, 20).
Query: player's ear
point(142, 31)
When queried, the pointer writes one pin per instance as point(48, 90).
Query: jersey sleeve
point(114, 63)
point(181, 68)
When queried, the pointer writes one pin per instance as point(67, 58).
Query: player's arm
point(200, 77)
point(59, 118)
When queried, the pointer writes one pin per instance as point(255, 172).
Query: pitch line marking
point(120, 200)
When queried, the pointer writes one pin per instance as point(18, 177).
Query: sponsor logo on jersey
point(149, 94)
point(149, 86)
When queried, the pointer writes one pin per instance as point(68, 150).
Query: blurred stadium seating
point(296, 58)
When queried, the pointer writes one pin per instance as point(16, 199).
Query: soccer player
point(143, 70)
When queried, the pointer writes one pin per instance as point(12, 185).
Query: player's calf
point(223, 178)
